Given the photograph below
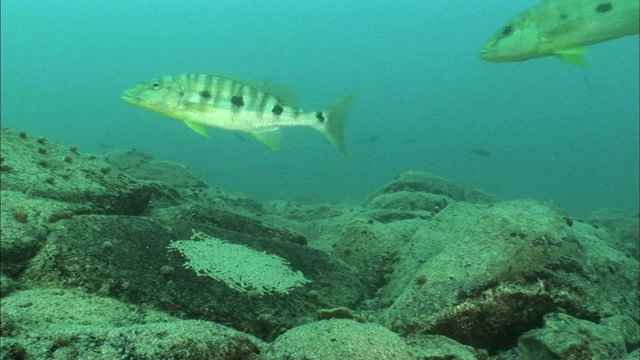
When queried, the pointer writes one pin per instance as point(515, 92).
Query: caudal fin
point(335, 117)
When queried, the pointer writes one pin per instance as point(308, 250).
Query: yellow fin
point(336, 116)
point(197, 128)
point(271, 138)
point(572, 56)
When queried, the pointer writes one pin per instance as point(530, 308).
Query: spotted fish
point(207, 100)
point(562, 28)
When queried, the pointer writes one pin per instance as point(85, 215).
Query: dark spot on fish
point(319, 116)
point(237, 101)
point(508, 30)
point(277, 110)
point(563, 16)
point(207, 95)
point(604, 7)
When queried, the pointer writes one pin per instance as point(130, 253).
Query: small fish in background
point(587, 84)
point(207, 100)
point(104, 146)
point(562, 28)
point(368, 139)
point(480, 151)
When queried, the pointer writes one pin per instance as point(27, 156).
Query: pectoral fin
point(197, 128)
point(572, 56)
point(271, 138)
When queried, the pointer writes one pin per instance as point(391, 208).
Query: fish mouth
point(485, 51)
point(488, 55)
point(485, 56)
point(128, 98)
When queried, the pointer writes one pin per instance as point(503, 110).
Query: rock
point(39, 168)
point(564, 337)
point(491, 276)
point(623, 228)
point(321, 225)
point(415, 181)
point(433, 191)
point(373, 249)
point(84, 326)
point(26, 223)
point(456, 272)
point(143, 167)
point(436, 347)
point(127, 258)
point(627, 327)
point(7, 284)
point(126, 159)
point(410, 201)
point(339, 339)
point(634, 355)
point(230, 221)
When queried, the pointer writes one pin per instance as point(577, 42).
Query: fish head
point(518, 40)
point(159, 95)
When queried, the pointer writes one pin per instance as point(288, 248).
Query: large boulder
point(487, 279)
point(127, 258)
point(339, 339)
point(66, 324)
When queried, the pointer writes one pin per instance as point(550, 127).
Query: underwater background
point(540, 128)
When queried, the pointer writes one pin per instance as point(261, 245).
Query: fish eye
point(508, 30)
point(155, 86)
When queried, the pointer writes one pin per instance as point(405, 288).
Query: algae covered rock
point(373, 248)
point(85, 326)
point(141, 166)
point(441, 347)
point(564, 337)
point(502, 270)
point(623, 228)
point(414, 190)
point(128, 258)
point(436, 269)
point(26, 223)
point(40, 168)
point(339, 339)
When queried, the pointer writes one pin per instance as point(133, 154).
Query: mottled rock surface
point(423, 269)
point(64, 324)
point(339, 339)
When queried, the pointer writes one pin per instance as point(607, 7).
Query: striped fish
point(207, 100)
point(562, 28)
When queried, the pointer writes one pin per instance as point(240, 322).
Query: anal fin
point(271, 138)
point(197, 128)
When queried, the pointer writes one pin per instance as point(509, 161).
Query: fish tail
point(335, 117)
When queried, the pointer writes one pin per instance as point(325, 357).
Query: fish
point(368, 139)
point(561, 28)
point(260, 109)
point(480, 151)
